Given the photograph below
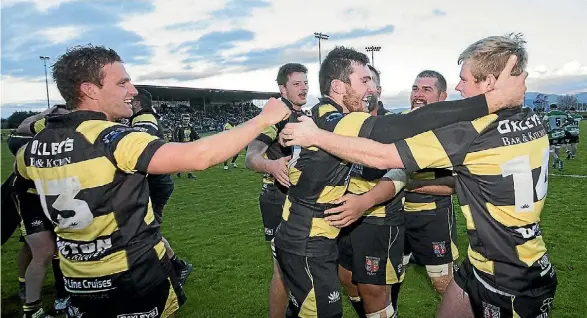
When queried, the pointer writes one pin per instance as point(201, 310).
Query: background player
point(185, 132)
point(554, 120)
point(230, 123)
point(267, 156)
point(572, 132)
point(501, 183)
point(430, 223)
point(160, 186)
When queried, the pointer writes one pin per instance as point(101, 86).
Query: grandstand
point(208, 108)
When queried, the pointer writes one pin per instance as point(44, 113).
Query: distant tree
point(16, 118)
point(566, 101)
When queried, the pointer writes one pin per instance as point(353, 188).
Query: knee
point(374, 291)
point(440, 275)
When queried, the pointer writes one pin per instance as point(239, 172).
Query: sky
point(240, 44)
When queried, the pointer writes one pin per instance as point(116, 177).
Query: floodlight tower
point(320, 37)
point(373, 49)
point(45, 58)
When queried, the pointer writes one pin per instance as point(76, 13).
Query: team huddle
point(351, 193)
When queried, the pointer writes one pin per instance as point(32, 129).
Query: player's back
point(316, 178)
point(502, 185)
point(555, 119)
point(93, 192)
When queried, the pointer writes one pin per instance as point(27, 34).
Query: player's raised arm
point(509, 92)
point(208, 151)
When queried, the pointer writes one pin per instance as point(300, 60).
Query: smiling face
point(360, 89)
point(115, 96)
point(425, 91)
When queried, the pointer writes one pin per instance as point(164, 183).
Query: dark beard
point(352, 101)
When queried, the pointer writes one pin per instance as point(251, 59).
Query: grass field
point(214, 222)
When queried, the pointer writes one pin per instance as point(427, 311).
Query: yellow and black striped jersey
point(317, 178)
point(501, 166)
point(390, 212)
point(148, 122)
point(274, 149)
point(90, 177)
point(38, 125)
point(418, 202)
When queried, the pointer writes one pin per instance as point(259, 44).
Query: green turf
point(214, 222)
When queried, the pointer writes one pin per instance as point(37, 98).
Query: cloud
point(438, 12)
point(40, 5)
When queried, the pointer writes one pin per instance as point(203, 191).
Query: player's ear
point(338, 87)
point(282, 90)
point(90, 90)
point(490, 82)
point(443, 96)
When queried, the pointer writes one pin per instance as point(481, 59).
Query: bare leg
point(455, 303)
point(278, 299)
point(375, 297)
point(42, 245)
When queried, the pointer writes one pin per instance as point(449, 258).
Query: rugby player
point(554, 121)
point(90, 174)
point(185, 132)
point(228, 126)
point(305, 242)
point(161, 187)
point(572, 132)
point(501, 167)
point(430, 223)
point(371, 249)
point(37, 232)
point(267, 156)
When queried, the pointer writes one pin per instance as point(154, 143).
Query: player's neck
point(294, 106)
point(338, 100)
point(94, 108)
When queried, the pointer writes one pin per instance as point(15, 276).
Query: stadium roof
point(174, 93)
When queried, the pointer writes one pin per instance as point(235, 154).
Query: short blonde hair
point(490, 55)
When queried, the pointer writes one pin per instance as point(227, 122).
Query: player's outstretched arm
point(212, 150)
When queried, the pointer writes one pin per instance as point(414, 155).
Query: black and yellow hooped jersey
point(90, 177)
point(421, 202)
point(390, 212)
point(501, 165)
point(317, 178)
point(274, 149)
point(148, 122)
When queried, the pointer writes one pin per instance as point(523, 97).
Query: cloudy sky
point(240, 44)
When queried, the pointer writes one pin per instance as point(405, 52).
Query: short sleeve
point(146, 123)
point(131, 150)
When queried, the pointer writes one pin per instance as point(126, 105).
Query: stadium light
point(45, 58)
point(320, 37)
point(373, 49)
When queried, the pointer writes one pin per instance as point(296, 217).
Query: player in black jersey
point(501, 167)
point(160, 186)
point(371, 248)
point(266, 155)
point(305, 242)
point(185, 132)
point(431, 235)
point(90, 174)
point(37, 232)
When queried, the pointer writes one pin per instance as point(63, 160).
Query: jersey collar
point(328, 100)
point(73, 118)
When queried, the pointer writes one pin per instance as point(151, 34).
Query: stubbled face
point(358, 92)
point(296, 88)
point(424, 92)
point(467, 86)
point(117, 92)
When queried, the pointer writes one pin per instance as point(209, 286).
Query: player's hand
point(304, 133)
point(274, 111)
point(278, 169)
point(509, 90)
point(352, 209)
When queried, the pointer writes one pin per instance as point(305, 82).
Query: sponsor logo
point(545, 265)
point(84, 252)
point(372, 264)
point(48, 163)
point(508, 126)
point(150, 314)
point(530, 231)
point(525, 137)
point(546, 305)
point(111, 136)
point(87, 284)
point(490, 311)
point(293, 301)
point(333, 297)
point(268, 231)
point(51, 148)
point(439, 248)
point(333, 116)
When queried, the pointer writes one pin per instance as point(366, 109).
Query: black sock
point(33, 306)
point(59, 282)
point(358, 305)
point(395, 294)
